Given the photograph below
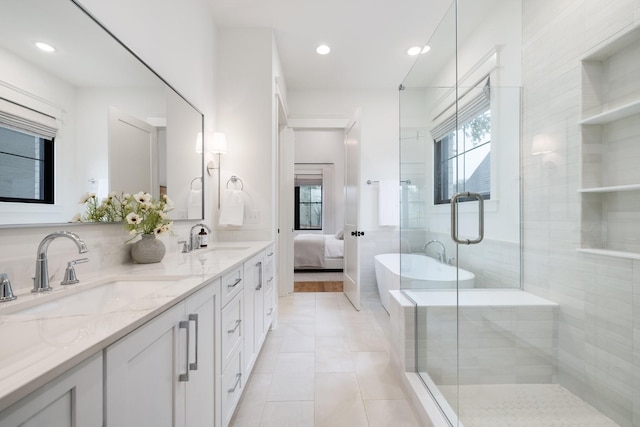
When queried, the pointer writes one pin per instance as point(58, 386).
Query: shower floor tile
point(524, 405)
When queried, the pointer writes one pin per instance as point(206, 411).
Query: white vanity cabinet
point(163, 373)
point(72, 400)
point(185, 367)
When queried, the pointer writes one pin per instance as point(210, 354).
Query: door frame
point(285, 182)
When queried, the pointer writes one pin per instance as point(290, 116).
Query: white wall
point(178, 40)
point(325, 146)
point(249, 65)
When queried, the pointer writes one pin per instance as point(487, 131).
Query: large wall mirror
point(115, 125)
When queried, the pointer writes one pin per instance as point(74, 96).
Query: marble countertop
point(37, 347)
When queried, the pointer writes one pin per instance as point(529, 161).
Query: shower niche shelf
point(610, 148)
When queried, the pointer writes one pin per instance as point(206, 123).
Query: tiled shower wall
point(599, 296)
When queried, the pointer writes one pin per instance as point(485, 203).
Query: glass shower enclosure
point(488, 349)
point(483, 346)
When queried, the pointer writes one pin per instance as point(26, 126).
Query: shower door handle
point(454, 218)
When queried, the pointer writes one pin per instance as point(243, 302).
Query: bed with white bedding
point(318, 251)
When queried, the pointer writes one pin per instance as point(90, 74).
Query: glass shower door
point(460, 210)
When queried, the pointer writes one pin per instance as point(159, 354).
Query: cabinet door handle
point(238, 280)
point(194, 318)
point(270, 254)
point(270, 312)
point(184, 324)
point(235, 328)
point(238, 377)
point(259, 265)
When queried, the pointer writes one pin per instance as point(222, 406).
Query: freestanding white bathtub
point(417, 272)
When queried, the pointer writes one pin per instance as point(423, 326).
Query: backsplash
point(106, 243)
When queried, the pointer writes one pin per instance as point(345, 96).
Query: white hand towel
point(194, 204)
point(388, 202)
point(232, 208)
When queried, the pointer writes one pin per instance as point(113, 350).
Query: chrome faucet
point(442, 257)
point(41, 279)
point(193, 239)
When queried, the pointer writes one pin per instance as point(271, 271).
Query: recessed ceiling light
point(323, 49)
point(45, 47)
point(417, 50)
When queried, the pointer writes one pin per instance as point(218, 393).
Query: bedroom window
point(308, 202)
point(462, 147)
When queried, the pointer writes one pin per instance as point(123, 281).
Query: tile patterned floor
point(524, 405)
point(326, 365)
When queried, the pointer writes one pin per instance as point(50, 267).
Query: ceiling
point(368, 38)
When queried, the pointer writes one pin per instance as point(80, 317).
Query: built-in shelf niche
point(610, 132)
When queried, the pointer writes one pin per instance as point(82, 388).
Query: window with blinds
point(26, 154)
point(308, 201)
point(462, 146)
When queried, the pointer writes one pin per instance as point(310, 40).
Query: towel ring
point(194, 180)
point(234, 179)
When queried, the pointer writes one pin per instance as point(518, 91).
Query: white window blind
point(308, 179)
point(17, 117)
point(474, 101)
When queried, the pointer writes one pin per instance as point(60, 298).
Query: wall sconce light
point(218, 146)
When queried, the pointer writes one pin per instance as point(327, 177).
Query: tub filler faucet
point(442, 257)
point(41, 279)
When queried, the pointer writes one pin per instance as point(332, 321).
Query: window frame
point(440, 179)
point(47, 182)
point(298, 203)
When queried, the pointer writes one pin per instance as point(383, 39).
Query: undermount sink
point(67, 315)
point(92, 299)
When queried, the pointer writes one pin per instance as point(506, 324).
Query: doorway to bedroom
point(318, 193)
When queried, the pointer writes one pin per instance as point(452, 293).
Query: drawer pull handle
point(270, 312)
point(259, 266)
point(235, 328)
point(238, 280)
point(270, 254)
point(238, 376)
point(194, 318)
point(184, 324)
point(270, 280)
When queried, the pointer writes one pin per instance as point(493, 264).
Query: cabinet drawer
point(269, 270)
point(269, 309)
point(231, 285)
point(232, 386)
point(232, 318)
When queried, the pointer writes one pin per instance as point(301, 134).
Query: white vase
point(148, 249)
